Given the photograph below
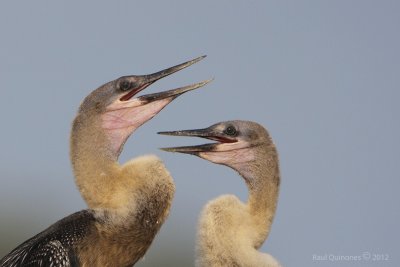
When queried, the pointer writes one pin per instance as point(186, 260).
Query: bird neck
point(94, 163)
point(262, 177)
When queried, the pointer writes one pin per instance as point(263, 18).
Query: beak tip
point(166, 149)
point(166, 133)
point(210, 80)
point(197, 59)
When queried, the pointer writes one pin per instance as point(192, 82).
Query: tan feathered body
point(230, 232)
point(128, 203)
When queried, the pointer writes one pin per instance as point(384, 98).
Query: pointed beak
point(143, 81)
point(171, 93)
point(206, 133)
point(149, 79)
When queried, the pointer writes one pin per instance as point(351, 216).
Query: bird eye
point(230, 131)
point(125, 85)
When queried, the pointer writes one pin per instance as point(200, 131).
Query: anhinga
point(127, 203)
point(230, 232)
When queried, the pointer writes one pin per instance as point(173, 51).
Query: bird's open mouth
point(128, 111)
point(145, 81)
point(134, 92)
point(224, 142)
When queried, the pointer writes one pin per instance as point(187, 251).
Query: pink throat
point(236, 158)
point(119, 124)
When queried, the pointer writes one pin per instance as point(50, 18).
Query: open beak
point(150, 78)
point(144, 81)
point(171, 93)
point(207, 133)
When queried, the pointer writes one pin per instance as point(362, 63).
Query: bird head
point(116, 109)
point(236, 142)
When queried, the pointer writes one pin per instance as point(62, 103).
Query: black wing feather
point(55, 246)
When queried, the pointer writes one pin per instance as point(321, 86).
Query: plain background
point(322, 76)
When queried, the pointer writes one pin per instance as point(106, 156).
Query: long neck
point(262, 177)
point(94, 164)
point(131, 201)
point(228, 230)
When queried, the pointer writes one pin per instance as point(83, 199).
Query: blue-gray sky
point(322, 76)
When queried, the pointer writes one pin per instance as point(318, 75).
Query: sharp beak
point(149, 79)
point(144, 81)
point(207, 133)
point(171, 93)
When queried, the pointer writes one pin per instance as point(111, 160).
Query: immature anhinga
point(127, 203)
point(230, 232)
